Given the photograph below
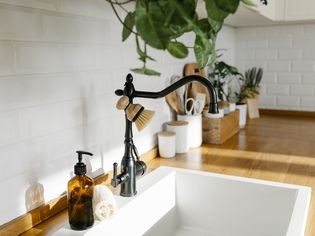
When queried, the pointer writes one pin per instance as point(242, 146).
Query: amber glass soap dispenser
point(80, 195)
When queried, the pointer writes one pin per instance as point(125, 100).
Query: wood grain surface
point(219, 130)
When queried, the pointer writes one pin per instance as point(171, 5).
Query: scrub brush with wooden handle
point(135, 112)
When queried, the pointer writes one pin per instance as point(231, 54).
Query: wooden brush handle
point(122, 103)
point(132, 111)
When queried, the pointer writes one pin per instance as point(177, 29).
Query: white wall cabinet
point(268, 10)
point(277, 11)
point(299, 10)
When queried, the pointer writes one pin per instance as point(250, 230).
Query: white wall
point(287, 55)
point(60, 62)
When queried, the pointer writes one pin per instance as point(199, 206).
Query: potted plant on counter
point(248, 94)
point(221, 75)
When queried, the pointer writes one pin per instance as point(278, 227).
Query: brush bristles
point(144, 119)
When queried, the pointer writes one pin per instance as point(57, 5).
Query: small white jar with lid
point(180, 128)
point(167, 144)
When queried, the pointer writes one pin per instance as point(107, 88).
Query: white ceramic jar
point(167, 144)
point(243, 114)
point(194, 129)
point(180, 128)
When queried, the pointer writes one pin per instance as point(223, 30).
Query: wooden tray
point(217, 131)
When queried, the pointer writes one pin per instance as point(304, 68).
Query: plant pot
point(242, 107)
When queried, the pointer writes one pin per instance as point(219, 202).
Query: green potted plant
point(221, 75)
point(160, 24)
point(249, 89)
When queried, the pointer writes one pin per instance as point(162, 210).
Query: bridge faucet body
point(131, 165)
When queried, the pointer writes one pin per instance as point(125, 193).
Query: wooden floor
point(272, 148)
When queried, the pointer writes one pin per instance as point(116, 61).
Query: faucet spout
point(213, 107)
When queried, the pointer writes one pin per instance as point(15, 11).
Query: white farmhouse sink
point(173, 202)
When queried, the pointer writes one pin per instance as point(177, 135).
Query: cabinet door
point(268, 10)
point(299, 10)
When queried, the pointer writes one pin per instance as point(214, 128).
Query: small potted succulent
point(249, 89)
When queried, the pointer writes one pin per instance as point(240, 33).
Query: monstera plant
point(160, 23)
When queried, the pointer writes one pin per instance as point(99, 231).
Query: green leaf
point(142, 55)
point(229, 6)
point(216, 25)
point(177, 49)
point(129, 22)
point(205, 27)
point(200, 52)
point(249, 3)
point(146, 71)
point(214, 12)
point(149, 20)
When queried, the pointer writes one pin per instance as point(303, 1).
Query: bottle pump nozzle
point(80, 167)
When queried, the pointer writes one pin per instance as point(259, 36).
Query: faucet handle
point(114, 179)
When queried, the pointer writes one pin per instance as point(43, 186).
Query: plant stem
point(120, 3)
point(118, 17)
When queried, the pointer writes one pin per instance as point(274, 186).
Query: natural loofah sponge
point(104, 204)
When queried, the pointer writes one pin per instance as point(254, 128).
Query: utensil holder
point(194, 129)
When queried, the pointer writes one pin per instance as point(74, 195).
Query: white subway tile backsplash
point(267, 100)
point(242, 54)
point(303, 66)
point(9, 126)
point(289, 78)
point(278, 43)
point(60, 28)
point(42, 120)
point(65, 142)
point(266, 32)
point(256, 43)
point(303, 42)
point(79, 57)
point(309, 30)
point(111, 56)
point(19, 24)
point(309, 54)
point(287, 55)
point(292, 30)
point(96, 31)
point(19, 92)
point(288, 101)
point(308, 102)
point(276, 89)
point(269, 78)
point(7, 58)
point(279, 66)
point(302, 90)
point(14, 196)
point(290, 54)
point(38, 4)
point(45, 57)
point(73, 113)
point(265, 54)
point(308, 78)
point(245, 33)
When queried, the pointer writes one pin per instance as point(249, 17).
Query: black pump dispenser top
point(80, 167)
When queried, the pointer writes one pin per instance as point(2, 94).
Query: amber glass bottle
point(80, 196)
